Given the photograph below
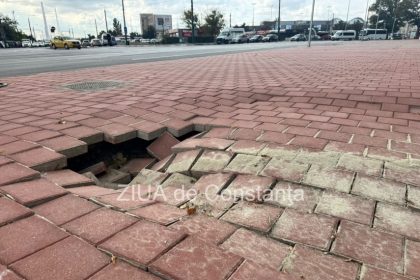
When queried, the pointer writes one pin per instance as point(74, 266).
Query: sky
point(80, 15)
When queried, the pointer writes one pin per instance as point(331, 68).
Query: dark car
point(298, 38)
point(270, 38)
point(256, 38)
point(396, 36)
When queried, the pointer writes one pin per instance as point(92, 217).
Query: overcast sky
point(81, 14)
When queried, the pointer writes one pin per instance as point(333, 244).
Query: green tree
point(388, 11)
point(341, 25)
point(410, 10)
point(117, 29)
point(9, 30)
point(214, 22)
point(134, 35)
point(187, 17)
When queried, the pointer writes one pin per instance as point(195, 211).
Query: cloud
point(80, 15)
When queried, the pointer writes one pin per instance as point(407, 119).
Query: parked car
point(145, 41)
point(95, 43)
point(396, 36)
point(298, 38)
point(240, 39)
point(344, 35)
point(256, 38)
point(26, 43)
point(65, 42)
point(270, 38)
point(226, 35)
point(85, 43)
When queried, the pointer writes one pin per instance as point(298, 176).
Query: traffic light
point(52, 29)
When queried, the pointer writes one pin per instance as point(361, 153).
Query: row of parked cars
point(238, 35)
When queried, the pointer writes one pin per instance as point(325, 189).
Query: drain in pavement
point(3, 85)
point(93, 85)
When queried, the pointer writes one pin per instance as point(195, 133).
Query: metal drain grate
point(93, 85)
point(3, 85)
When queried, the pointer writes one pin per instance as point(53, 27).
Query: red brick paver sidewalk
point(339, 123)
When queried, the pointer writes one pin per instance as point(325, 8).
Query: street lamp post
point(347, 18)
point(312, 24)
point(106, 22)
point(253, 14)
point(367, 14)
point(192, 23)
point(278, 21)
point(125, 25)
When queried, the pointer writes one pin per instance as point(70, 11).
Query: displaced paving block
point(123, 201)
point(178, 180)
point(412, 261)
point(147, 130)
point(142, 242)
point(400, 220)
point(347, 206)
point(206, 143)
point(15, 172)
point(403, 172)
point(71, 258)
point(247, 147)
point(173, 195)
point(116, 133)
point(294, 196)
point(212, 183)
point(183, 161)
point(211, 204)
point(66, 145)
point(379, 189)
point(11, 211)
point(134, 166)
point(115, 177)
point(373, 247)
point(247, 164)
point(210, 162)
point(67, 178)
point(368, 166)
point(178, 127)
point(65, 208)
point(255, 216)
point(41, 159)
point(25, 237)
point(99, 225)
point(17, 147)
point(329, 179)
point(95, 169)
point(307, 263)
point(311, 229)
point(413, 197)
point(257, 248)
point(209, 229)
point(289, 171)
point(33, 192)
point(161, 147)
point(210, 262)
point(86, 134)
point(148, 177)
point(162, 165)
point(91, 191)
point(160, 213)
point(321, 159)
point(248, 187)
point(122, 269)
point(279, 151)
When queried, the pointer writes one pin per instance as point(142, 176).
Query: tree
point(117, 27)
point(150, 32)
point(389, 12)
point(134, 35)
point(214, 22)
point(100, 33)
point(9, 30)
point(341, 25)
point(410, 10)
point(187, 17)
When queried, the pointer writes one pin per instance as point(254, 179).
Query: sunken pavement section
point(343, 131)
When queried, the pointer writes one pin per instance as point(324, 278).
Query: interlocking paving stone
point(379, 189)
point(247, 147)
point(210, 162)
point(212, 183)
point(173, 195)
point(329, 179)
point(346, 206)
point(247, 164)
point(162, 165)
point(412, 258)
point(33, 192)
point(371, 273)
point(307, 263)
point(64, 209)
point(14, 172)
point(5, 160)
point(124, 201)
point(161, 147)
point(368, 166)
point(255, 216)
point(295, 196)
point(71, 259)
point(311, 229)
point(377, 248)
point(148, 130)
point(257, 248)
point(178, 180)
point(322, 159)
point(402, 172)
point(160, 213)
point(134, 166)
point(115, 133)
point(279, 151)
point(413, 197)
point(91, 191)
point(8, 274)
point(86, 134)
point(397, 219)
point(11, 211)
point(210, 262)
point(115, 176)
point(248, 187)
point(17, 147)
point(289, 171)
point(148, 177)
point(25, 237)
point(99, 225)
point(207, 143)
point(122, 270)
point(252, 270)
point(41, 159)
point(183, 161)
point(67, 178)
point(4, 139)
point(66, 145)
point(142, 242)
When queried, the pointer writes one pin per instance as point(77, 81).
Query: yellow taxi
point(65, 42)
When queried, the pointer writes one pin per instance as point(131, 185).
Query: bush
point(202, 39)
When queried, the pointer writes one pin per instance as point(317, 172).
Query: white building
point(162, 23)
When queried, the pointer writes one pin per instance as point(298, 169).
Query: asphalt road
point(16, 62)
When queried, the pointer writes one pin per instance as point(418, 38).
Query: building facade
point(161, 23)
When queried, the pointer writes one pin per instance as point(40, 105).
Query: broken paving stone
point(116, 177)
point(183, 161)
point(210, 162)
point(247, 164)
point(95, 169)
point(148, 177)
point(162, 165)
point(162, 146)
point(178, 180)
point(134, 166)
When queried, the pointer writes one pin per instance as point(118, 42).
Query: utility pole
point(347, 18)
point(96, 26)
point(30, 29)
point(253, 14)
point(33, 29)
point(56, 18)
point(13, 13)
point(312, 24)
point(141, 31)
point(367, 14)
point(192, 22)
point(106, 22)
point(125, 25)
point(230, 20)
point(278, 20)
point(47, 34)
point(72, 32)
point(395, 19)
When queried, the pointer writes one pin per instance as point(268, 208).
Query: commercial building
point(161, 23)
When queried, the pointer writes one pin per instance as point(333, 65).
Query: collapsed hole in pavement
point(112, 164)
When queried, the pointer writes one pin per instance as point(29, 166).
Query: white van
point(226, 35)
point(373, 34)
point(344, 35)
point(26, 43)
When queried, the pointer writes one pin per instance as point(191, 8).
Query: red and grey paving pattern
point(337, 136)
